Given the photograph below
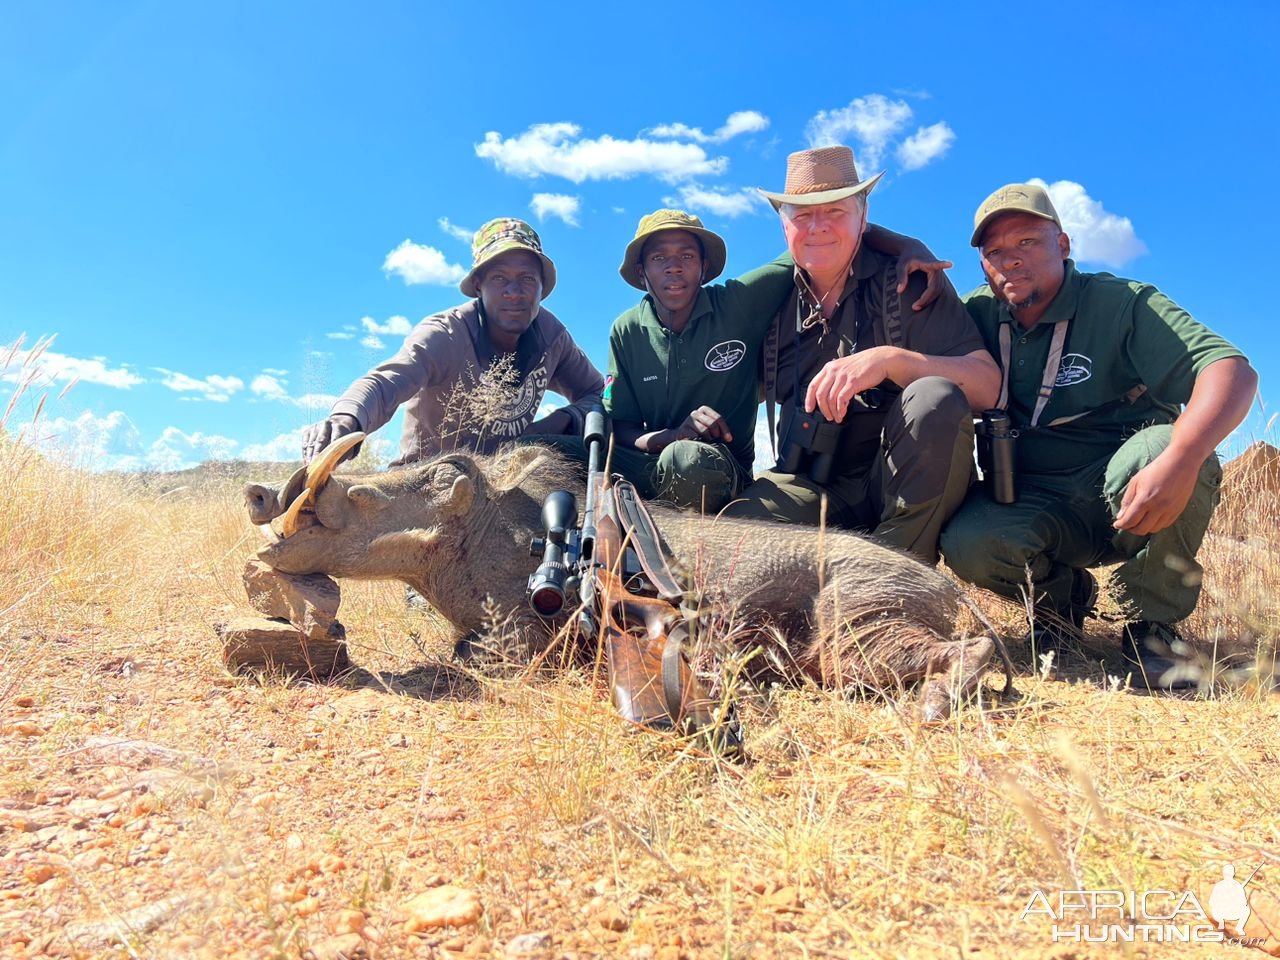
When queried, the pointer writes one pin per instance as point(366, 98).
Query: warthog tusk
point(318, 474)
point(269, 532)
point(322, 466)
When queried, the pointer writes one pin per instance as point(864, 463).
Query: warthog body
point(457, 529)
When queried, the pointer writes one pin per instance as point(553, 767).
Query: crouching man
point(683, 364)
point(503, 330)
point(877, 401)
point(1118, 397)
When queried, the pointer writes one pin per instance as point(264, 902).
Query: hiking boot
point(1056, 631)
point(1154, 650)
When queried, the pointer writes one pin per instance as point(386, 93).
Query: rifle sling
point(637, 525)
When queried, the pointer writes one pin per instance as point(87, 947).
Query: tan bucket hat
point(498, 237)
point(1013, 198)
point(713, 249)
point(822, 175)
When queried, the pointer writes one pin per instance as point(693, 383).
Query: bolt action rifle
point(629, 602)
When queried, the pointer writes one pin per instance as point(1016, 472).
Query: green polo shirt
point(658, 377)
point(1122, 334)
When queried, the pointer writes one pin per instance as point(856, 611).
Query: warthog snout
point(262, 503)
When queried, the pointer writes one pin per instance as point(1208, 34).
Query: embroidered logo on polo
point(725, 356)
point(1075, 368)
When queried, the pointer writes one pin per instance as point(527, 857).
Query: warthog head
point(456, 527)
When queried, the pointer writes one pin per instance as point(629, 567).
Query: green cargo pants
point(687, 473)
point(1064, 522)
point(905, 494)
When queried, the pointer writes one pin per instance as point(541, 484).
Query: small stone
point(445, 906)
point(346, 921)
point(344, 946)
point(256, 643)
point(524, 944)
point(307, 906)
point(612, 918)
point(38, 873)
point(24, 701)
point(25, 728)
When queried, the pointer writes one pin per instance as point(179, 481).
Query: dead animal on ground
point(457, 529)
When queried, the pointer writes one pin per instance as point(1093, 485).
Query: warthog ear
point(367, 495)
point(461, 495)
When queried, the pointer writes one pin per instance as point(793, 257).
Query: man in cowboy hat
point(1095, 371)
point(876, 401)
point(504, 329)
point(683, 364)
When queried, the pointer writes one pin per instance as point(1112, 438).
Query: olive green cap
point(1013, 198)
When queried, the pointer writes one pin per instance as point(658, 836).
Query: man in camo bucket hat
point(440, 365)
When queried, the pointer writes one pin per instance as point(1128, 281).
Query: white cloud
point(926, 144)
point(114, 443)
point(215, 388)
point(268, 387)
point(1096, 235)
point(873, 120)
point(89, 442)
point(397, 325)
point(283, 447)
point(47, 365)
point(176, 450)
point(455, 231)
point(372, 343)
point(320, 403)
point(341, 335)
point(272, 371)
point(918, 93)
point(742, 121)
point(716, 201)
point(556, 205)
point(557, 149)
point(418, 263)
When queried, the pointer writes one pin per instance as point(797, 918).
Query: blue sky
point(224, 213)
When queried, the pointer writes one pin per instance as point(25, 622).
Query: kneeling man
point(1096, 370)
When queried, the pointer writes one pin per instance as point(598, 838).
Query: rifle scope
point(547, 584)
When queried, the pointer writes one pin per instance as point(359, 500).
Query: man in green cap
point(474, 375)
point(1118, 398)
point(683, 374)
point(876, 431)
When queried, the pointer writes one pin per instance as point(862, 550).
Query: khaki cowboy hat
point(821, 175)
point(502, 236)
point(713, 250)
point(1013, 198)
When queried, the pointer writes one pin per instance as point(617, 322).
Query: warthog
point(457, 529)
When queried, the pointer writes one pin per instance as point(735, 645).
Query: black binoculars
point(808, 445)
point(996, 438)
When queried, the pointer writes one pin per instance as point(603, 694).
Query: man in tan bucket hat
point(876, 400)
point(439, 374)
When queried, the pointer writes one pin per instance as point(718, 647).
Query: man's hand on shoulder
point(319, 435)
point(933, 270)
point(705, 424)
point(1157, 494)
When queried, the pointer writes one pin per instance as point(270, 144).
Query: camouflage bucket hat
point(502, 236)
point(713, 249)
point(822, 175)
point(1013, 198)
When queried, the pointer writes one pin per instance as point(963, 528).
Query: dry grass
point(286, 820)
